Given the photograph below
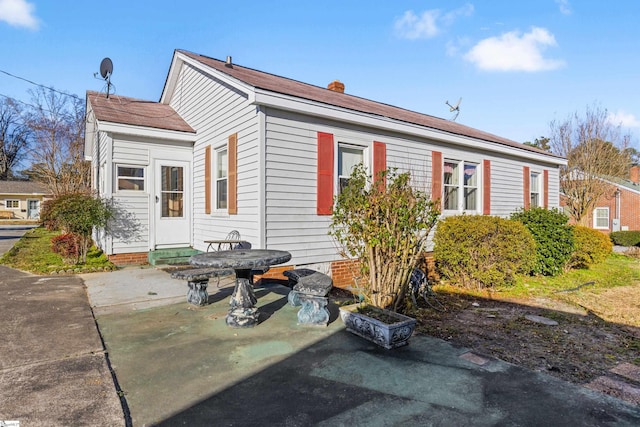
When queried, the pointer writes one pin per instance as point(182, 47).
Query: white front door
point(172, 204)
point(33, 209)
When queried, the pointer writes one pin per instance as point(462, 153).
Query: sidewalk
point(53, 370)
point(180, 365)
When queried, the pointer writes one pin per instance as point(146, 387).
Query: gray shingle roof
point(22, 187)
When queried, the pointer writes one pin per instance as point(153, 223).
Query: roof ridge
point(292, 87)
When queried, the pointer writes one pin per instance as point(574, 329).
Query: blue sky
point(517, 65)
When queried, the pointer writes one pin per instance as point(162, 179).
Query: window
point(460, 185)
point(348, 157)
point(172, 192)
point(601, 218)
point(222, 173)
point(534, 189)
point(130, 178)
point(12, 204)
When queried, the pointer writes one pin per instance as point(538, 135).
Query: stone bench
point(310, 292)
point(294, 275)
point(198, 280)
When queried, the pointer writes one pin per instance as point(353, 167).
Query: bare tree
point(595, 150)
point(14, 137)
point(57, 122)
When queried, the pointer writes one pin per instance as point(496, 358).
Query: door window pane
point(172, 193)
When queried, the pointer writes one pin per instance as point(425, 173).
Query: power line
point(40, 85)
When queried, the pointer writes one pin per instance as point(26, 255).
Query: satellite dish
point(454, 109)
point(106, 68)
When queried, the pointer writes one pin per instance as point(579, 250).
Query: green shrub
point(554, 238)
point(79, 214)
point(47, 215)
point(625, 238)
point(482, 251)
point(590, 247)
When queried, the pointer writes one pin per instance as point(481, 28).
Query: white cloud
point(428, 24)
point(565, 7)
point(449, 17)
point(19, 13)
point(514, 51)
point(624, 119)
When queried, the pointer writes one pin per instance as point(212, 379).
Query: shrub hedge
point(553, 236)
point(625, 238)
point(482, 251)
point(590, 247)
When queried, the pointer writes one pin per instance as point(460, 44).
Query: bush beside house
point(553, 236)
point(483, 251)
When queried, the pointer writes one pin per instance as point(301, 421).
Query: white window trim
point(6, 203)
point(540, 189)
point(214, 178)
point(461, 187)
point(143, 179)
point(595, 218)
point(366, 152)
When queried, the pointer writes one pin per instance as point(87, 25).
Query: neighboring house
point(232, 148)
point(619, 208)
point(21, 199)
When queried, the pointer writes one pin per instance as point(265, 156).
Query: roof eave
point(145, 131)
point(314, 108)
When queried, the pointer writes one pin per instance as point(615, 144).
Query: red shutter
point(545, 188)
point(486, 187)
point(325, 174)
point(526, 181)
point(379, 160)
point(232, 183)
point(436, 177)
point(207, 179)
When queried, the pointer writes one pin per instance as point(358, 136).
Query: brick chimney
point(634, 174)
point(336, 86)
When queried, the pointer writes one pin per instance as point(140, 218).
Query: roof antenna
point(454, 108)
point(106, 69)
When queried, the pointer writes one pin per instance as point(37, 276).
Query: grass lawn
point(33, 253)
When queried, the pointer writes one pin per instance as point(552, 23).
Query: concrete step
point(171, 256)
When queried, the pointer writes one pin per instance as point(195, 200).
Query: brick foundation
point(274, 273)
point(134, 258)
point(345, 272)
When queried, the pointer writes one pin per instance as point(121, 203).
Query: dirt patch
point(584, 344)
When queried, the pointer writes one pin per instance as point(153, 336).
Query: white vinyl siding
point(217, 112)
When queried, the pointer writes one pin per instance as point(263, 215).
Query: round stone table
point(243, 312)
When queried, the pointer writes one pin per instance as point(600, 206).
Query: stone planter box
point(387, 335)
